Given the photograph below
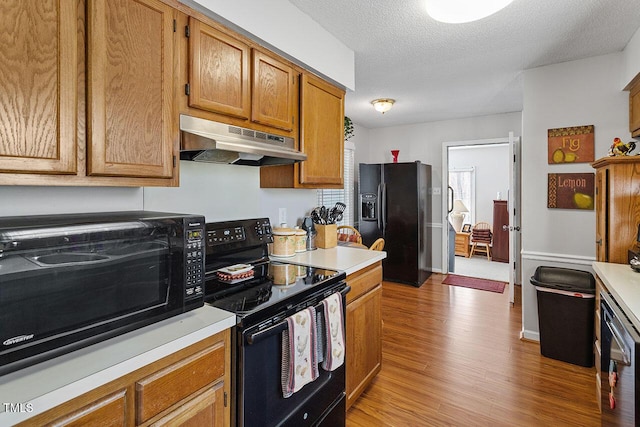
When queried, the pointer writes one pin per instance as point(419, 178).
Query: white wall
point(26, 200)
point(424, 141)
point(585, 92)
point(631, 59)
point(224, 192)
point(491, 164)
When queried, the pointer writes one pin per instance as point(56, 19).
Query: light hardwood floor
point(452, 357)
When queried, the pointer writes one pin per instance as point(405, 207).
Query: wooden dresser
point(500, 249)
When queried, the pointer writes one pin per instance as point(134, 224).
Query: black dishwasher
point(619, 363)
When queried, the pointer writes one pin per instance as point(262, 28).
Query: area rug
point(474, 283)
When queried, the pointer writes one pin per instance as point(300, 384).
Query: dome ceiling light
point(461, 11)
point(383, 104)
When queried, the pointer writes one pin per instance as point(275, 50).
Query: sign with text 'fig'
point(571, 145)
point(571, 191)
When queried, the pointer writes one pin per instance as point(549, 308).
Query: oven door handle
point(280, 326)
point(618, 349)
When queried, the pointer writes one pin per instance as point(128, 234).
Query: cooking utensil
point(335, 213)
point(324, 214)
point(315, 216)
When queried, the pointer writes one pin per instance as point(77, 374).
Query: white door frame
point(445, 215)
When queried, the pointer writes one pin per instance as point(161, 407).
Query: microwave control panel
point(194, 262)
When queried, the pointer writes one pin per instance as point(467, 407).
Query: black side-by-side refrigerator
point(394, 204)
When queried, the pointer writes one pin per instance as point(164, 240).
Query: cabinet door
point(132, 121)
point(321, 132)
point(218, 72)
point(38, 86)
point(273, 94)
point(206, 409)
point(164, 388)
point(106, 412)
point(364, 342)
point(601, 214)
point(634, 110)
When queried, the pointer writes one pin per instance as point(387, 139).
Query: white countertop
point(624, 285)
point(55, 381)
point(342, 258)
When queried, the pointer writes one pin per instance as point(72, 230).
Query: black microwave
point(68, 281)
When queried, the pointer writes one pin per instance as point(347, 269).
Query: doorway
point(484, 177)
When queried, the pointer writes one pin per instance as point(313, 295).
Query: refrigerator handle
point(383, 212)
point(379, 207)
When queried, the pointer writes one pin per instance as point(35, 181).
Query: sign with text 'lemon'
point(571, 145)
point(571, 190)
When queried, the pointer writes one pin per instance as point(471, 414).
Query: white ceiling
point(439, 71)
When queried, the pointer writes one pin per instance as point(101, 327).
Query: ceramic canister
point(301, 240)
point(284, 241)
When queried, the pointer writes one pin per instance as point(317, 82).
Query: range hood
point(208, 141)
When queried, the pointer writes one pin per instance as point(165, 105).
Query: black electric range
point(262, 300)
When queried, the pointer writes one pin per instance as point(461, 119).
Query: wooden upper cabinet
point(132, 123)
point(321, 132)
point(273, 97)
point(218, 72)
point(634, 109)
point(38, 86)
point(321, 139)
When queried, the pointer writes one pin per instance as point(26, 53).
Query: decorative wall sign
point(571, 145)
point(571, 190)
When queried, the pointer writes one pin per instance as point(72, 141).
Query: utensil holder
point(327, 236)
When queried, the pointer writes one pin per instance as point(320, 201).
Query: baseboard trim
point(526, 335)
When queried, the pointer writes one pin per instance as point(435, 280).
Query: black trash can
point(566, 303)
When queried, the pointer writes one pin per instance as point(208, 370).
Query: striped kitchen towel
point(299, 351)
point(334, 332)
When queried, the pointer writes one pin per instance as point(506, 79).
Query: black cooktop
point(274, 287)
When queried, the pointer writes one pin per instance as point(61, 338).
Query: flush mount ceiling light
point(460, 11)
point(383, 104)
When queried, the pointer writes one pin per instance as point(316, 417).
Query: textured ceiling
point(441, 71)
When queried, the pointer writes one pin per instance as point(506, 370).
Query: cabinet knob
point(599, 242)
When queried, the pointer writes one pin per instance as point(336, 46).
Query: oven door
point(259, 386)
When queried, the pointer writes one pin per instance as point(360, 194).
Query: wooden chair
point(481, 237)
point(347, 233)
point(378, 245)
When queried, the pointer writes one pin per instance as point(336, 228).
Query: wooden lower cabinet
point(364, 330)
point(108, 411)
point(187, 388)
point(203, 410)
